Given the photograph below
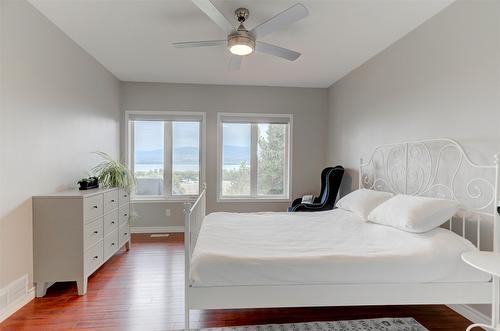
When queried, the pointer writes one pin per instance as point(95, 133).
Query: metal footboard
point(194, 214)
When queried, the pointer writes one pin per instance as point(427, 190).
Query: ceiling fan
point(242, 42)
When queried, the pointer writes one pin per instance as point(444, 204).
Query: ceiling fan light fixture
point(240, 44)
point(241, 50)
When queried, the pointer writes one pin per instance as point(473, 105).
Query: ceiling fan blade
point(276, 51)
point(211, 11)
point(235, 62)
point(206, 43)
point(292, 14)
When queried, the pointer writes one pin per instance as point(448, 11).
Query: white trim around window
point(168, 116)
point(255, 119)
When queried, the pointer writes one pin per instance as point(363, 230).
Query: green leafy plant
point(112, 173)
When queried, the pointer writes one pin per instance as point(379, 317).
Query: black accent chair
point(331, 178)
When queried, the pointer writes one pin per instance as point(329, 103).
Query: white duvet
point(322, 248)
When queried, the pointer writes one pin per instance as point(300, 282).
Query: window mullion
point(167, 166)
point(220, 157)
point(287, 160)
point(131, 151)
point(253, 159)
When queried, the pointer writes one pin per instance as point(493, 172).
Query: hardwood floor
point(144, 290)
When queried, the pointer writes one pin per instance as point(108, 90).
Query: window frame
point(168, 117)
point(255, 118)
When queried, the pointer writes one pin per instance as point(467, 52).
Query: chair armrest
point(307, 207)
point(296, 202)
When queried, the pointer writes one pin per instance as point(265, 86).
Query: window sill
point(164, 200)
point(265, 200)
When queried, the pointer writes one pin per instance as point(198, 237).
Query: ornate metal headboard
point(436, 168)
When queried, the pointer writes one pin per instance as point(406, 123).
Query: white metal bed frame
point(411, 168)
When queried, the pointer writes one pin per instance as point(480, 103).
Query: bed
point(329, 247)
point(334, 258)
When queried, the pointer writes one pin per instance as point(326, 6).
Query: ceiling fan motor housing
point(241, 14)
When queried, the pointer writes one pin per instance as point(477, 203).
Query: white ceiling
point(132, 38)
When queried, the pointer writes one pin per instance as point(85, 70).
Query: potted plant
point(94, 181)
point(88, 183)
point(112, 173)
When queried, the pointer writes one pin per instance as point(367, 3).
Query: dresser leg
point(127, 245)
point(82, 286)
point(41, 289)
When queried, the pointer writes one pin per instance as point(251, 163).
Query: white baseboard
point(14, 296)
point(157, 229)
point(471, 314)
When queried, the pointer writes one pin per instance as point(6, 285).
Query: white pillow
point(363, 201)
point(414, 214)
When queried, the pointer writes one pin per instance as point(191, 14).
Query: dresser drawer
point(110, 201)
point(124, 214)
point(124, 196)
point(92, 207)
point(124, 234)
point(94, 258)
point(111, 222)
point(93, 232)
point(110, 244)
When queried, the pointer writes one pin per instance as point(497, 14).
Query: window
point(165, 154)
point(185, 158)
point(149, 159)
point(254, 156)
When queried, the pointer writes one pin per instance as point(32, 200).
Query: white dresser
point(75, 232)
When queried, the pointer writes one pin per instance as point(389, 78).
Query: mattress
point(329, 247)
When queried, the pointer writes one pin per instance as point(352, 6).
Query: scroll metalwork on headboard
point(435, 168)
point(439, 168)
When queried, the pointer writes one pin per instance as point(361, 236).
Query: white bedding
point(322, 248)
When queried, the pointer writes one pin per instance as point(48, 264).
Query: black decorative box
point(88, 183)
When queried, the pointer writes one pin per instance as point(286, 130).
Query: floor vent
point(3, 299)
point(157, 235)
point(14, 296)
point(17, 289)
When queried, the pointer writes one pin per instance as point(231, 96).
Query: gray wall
point(58, 105)
point(441, 80)
point(308, 106)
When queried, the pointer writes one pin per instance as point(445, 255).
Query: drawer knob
point(112, 244)
point(95, 207)
point(125, 233)
point(125, 195)
point(96, 257)
point(96, 232)
point(112, 222)
point(112, 200)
